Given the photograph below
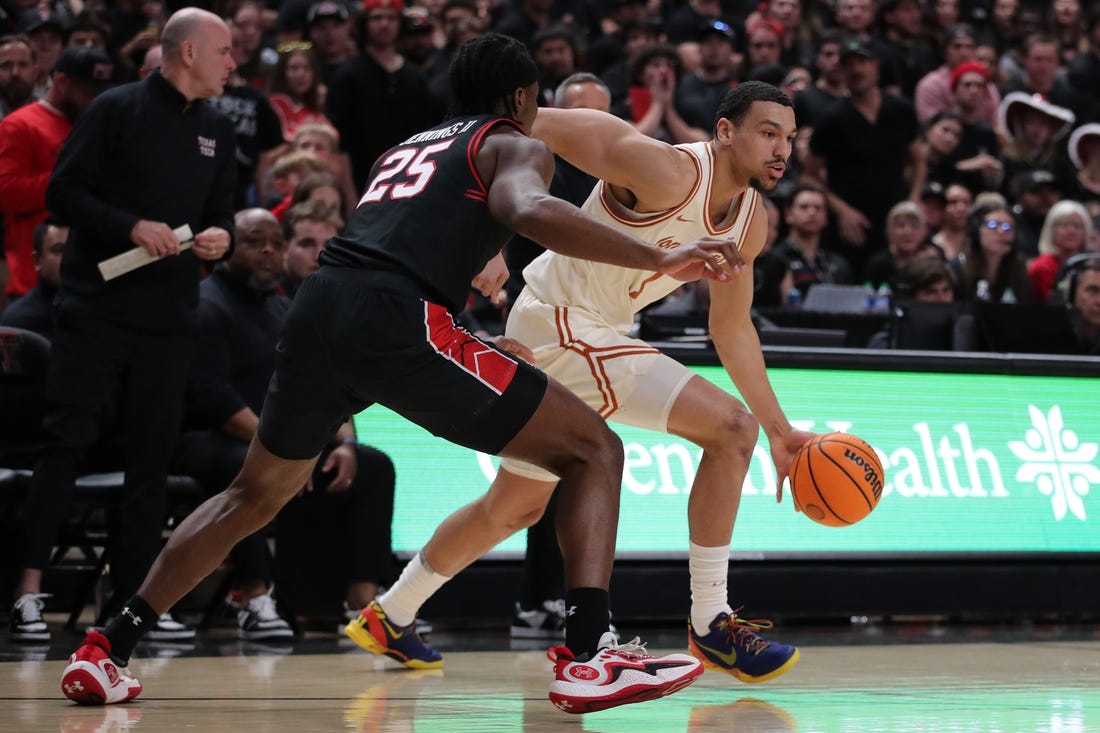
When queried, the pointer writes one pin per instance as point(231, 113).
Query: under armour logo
point(571, 611)
point(74, 687)
point(136, 619)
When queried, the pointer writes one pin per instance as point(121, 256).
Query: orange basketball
point(836, 479)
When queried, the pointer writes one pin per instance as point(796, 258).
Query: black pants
point(365, 509)
point(543, 568)
point(99, 369)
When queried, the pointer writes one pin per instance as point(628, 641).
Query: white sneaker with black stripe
point(167, 628)
point(258, 619)
point(547, 622)
point(27, 623)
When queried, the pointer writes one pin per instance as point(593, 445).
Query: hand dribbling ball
point(836, 479)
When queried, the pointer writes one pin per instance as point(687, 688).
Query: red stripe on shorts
point(491, 367)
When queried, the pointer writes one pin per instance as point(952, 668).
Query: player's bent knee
point(737, 432)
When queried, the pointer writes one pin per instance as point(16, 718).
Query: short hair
point(486, 71)
point(1060, 211)
point(300, 162)
point(19, 38)
point(1038, 39)
point(321, 128)
point(38, 237)
point(313, 211)
point(906, 208)
point(312, 182)
point(738, 100)
point(581, 77)
point(470, 5)
point(921, 274)
point(806, 187)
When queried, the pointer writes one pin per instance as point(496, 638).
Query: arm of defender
point(612, 150)
point(519, 199)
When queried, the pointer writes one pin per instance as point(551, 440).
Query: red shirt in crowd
point(30, 140)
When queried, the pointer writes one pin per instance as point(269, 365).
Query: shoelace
point(264, 607)
point(743, 631)
point(632, 649)
point(30, 606)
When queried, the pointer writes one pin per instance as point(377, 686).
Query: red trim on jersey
point(597, 358)
point(489, 366)
point(659, 216)
point(635, 293)
point(481, 193)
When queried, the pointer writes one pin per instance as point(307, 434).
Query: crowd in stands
point(947, 149)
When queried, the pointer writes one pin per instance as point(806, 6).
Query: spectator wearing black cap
point(1034, 192)
point(328, 28)
point(30, 139)
point(933, 93)
point(683, 23)
point(292, 21)
point(866, 148)
point(417, 39)
point(47, 33)
point(702, 91)
point(377, 99)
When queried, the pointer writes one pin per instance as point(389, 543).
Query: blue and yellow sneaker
point(374, 632)
point(731, 645)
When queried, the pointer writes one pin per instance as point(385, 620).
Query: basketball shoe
point(619, 674)
point(374, 632)
point(731, 645)
point(92, 677)
point(545, 622)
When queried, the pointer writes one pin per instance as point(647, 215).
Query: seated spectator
point(953, 237)
point(328, 28)
point(1041, 78)
point(288, 172)
point(554, 49)
point(46, 32)
point(906, 241)
point(1032, 128)
point(1034, 193)
point(702, 91)
point(933, 202)
point(809, 262)
point(1083, 294)
point(1065, 234)
point(255, 58)
point(297, 95)
point(240, 316)
point(17, 59)
point(927, 280)
point(764, 43)
point(324, 189)
point(1084, 153)
point(970, 83)
point(933, 92)
point(34, 311)
point(990, 268)
point(307, 228)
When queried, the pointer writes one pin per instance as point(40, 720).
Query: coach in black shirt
point(143, 159)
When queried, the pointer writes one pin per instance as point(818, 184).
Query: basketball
point(836, 479)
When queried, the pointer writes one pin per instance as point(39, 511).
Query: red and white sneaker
point(93, 679)
point(619, 674)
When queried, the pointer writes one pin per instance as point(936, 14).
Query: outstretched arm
point(738, 347)
point(518, 198)
point(658, 174)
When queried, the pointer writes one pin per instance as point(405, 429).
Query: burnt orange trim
point(635, 293)
point(658, 217)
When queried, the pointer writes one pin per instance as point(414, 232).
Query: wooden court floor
point(920, 683)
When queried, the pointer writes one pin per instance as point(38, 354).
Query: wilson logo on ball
point(870, 474)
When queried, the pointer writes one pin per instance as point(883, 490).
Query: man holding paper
point(143, 160)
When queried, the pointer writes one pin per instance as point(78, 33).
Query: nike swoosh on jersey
point(686, 221)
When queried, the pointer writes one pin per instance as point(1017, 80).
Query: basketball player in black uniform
point(375, 324)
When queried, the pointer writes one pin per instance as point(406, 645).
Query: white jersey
point(617, 293)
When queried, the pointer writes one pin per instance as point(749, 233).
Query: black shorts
point(354, 338)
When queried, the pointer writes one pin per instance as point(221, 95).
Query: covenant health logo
point(1057, 462)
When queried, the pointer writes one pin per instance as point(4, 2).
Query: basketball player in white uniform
point(574, 315)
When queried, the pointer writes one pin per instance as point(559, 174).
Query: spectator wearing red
point(1065, 233)
point(30, 139)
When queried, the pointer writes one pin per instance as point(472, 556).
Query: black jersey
point(425, 213)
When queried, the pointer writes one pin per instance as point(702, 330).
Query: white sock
point(709, 567)
point(415, 586)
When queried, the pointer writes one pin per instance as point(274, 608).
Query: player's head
point(755, 126)
point(494, 73)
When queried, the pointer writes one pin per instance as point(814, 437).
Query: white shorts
point(624, 379)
